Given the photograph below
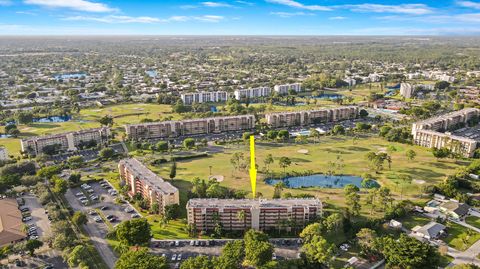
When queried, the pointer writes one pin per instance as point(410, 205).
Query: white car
point(128, 210)
point(174, 257)
point(79, 194)
point(27, 219)
point(179, 257)
point(274, 256)
point(135, 216)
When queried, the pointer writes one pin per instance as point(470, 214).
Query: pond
point(49, 119)
point(318, 180)
point(69, 76)
point(53, 119)
point(331, 96)
point(152, 73)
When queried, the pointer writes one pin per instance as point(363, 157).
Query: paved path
point(97, 236)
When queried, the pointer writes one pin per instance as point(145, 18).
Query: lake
point(69, 76)
point(152, 73)
point(331, 96)
point(53, 119)
point(318, 180)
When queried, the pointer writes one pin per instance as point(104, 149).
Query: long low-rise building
point(258, 214)
point(285, 88)
point(302, 118)
point(204, 97)
point(67, 141)
point(436, 132)
point(448, 121)
point(252, 93)
point(141, 180)
point(170, 129)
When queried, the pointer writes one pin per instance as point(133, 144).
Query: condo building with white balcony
point(204, 97)
point(286, 88)
point(258, 214)
point(171, 129)
point(442, 132)
point(141, 180)
point(308, 117)
point(252, 93)
point(66, 141)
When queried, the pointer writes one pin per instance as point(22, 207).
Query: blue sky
point(239, 17)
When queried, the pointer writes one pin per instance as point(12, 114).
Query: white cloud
point(127, 19)
point(26, 13)
point(114, 19)
point(414, 9)
point(295, 4)
point(209, 18)
point(290, 14)
point(245, 3)
point(337, 18)
point(216, 4)
point(469, 4)
point(81, 5)
point(5, 2)
point(439, 19)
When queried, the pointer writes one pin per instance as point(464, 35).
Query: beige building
point(204, 97)
point(435, 132)
point(285, 88)
point(141, 180)
point(407, 90)
point(258, 214)
point(303, 118)
point(252, 93)
point(10, 223)
point(167, 129)
point(66, 141)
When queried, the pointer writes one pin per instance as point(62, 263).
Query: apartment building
point(204, 97)
point(303, 118)
point(168, 129)
point(258, 214)
point(286, 88)
point(470, 93)
point(407, 90)
point(66, 141)
point(436, 132)
point(3, 154)
point(252, 93)
point(445, 122)
point(141, 180)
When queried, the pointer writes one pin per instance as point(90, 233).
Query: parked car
point(179, 257)
point(135, 216)
point(174, 257)
point(27, 219)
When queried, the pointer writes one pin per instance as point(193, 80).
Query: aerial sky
point(239, 17)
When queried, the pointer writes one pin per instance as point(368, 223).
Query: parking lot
point(97, 211)
point(36, 217)
point(177, 251)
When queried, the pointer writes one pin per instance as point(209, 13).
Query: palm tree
point(278, 188)
point(406, 179)
point(315, 134)
point(284, 162)
point(241, 216)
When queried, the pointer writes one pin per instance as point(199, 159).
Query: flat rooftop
point(142, 172)
point(189, 120)
point(469, 132)
point(249, 203)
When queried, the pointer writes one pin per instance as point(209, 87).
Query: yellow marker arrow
point(253, 167)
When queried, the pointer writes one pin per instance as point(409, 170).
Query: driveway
point(39, 217)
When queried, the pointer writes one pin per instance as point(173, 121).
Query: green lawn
point(459, 237)
point(425, 167)
point(474, 221)
point(411, 221)
point(175, 229)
